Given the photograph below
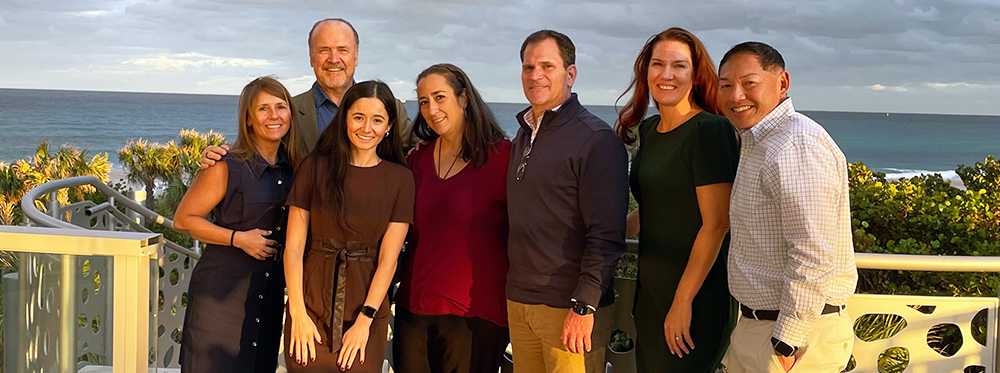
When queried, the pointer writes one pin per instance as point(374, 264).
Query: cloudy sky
point(924, 56)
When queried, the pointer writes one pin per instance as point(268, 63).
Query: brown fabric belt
point(337, 254)
point(772, 315)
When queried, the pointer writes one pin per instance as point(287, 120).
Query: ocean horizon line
point(887, 113)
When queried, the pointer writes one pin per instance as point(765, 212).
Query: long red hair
point(704, 87)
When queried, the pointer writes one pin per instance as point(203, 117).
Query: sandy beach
point(118, 175)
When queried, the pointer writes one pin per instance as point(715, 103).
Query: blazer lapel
point(308, 128)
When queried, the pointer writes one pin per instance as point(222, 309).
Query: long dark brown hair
point(245, 137)
point(336, 147)
point(704, 87)
point(481, 133)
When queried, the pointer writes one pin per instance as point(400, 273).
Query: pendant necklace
point(439, 163)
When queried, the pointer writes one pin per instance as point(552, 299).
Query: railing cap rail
point(79, 241)
point(906, 262)
point(935, 263)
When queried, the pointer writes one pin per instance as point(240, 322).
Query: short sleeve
point(716, 152)
point(643, 127)
point(402, 210)
point(302, 188)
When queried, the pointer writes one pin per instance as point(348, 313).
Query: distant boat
point(886, 114)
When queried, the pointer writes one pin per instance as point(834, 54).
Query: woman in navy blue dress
point(236, 295)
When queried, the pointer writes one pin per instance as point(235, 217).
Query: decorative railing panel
point(53, 330)
point(920, 322)
point(174, 275)
point(42, 302)
point(94, 308)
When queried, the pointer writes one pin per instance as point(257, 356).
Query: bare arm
point(207, 190)
point(304, 332)
point(205, 193)
point(356, 338)
point(632, 224)
point(392, 245)
point(713, 203)
point(295, 246)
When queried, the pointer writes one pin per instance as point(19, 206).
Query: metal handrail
point(41, 218)
point(906, 262)
point(933, 263)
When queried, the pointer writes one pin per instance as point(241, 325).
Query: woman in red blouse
point(451, 307)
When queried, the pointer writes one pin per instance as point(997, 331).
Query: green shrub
point(926, 215)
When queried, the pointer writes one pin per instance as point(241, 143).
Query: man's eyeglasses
point(524, 162)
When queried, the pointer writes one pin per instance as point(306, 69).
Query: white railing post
point(54, 205)
point(23, 316)
point(67, 317)
point(140, 197)
point(111, 217)
point(131, 330)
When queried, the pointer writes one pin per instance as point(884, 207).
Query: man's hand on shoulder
point(417, 146)
point(576, 332)
point(212, 154)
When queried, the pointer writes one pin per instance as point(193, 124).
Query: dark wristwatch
point(782, 348)
point(369, 311)
point(581, 308)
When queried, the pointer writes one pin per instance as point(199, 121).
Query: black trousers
point(446, 343)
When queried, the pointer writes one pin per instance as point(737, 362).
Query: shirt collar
point(529, 117)
point(320, 97)
point(258, 164)
point(771, 121)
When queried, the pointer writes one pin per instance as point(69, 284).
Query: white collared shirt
point(792, 247)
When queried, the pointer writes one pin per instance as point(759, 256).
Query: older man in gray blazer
point(333, 55)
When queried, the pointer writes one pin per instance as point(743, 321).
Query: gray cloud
point(928, 56)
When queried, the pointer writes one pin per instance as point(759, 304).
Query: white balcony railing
point(53, 293)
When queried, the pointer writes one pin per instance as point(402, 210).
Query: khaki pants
point(827, 350)
point(536, 340)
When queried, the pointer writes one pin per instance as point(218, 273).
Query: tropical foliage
point(44, 166)
point(926, 215)
point(192, 144)
point(146, 162)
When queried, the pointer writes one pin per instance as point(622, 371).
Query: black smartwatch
point(369, 311)
point(782, 348)
point(581, 308)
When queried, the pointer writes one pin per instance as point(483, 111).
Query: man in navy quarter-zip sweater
point(567, 191)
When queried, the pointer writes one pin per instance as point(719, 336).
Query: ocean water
point(901, 145)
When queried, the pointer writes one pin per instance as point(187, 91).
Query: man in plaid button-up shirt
point(791, 260)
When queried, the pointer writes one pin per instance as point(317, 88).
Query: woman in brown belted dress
point(350, 207)
point(235, 298)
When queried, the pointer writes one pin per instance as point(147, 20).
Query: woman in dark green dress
point(682, 175)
